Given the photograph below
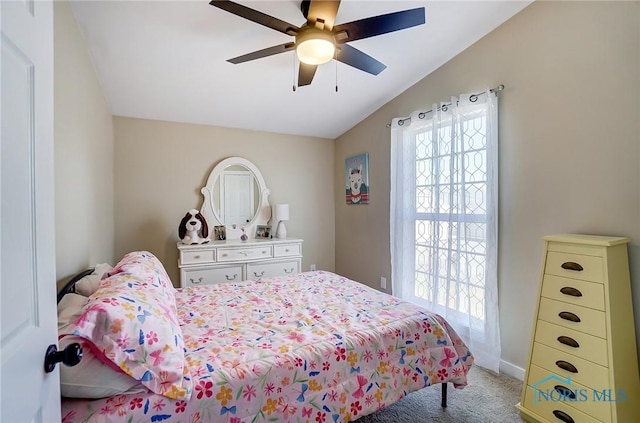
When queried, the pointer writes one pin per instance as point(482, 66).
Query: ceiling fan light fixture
point(315, 47)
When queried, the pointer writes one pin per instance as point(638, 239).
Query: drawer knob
point(565, 365)
point(195, 282)
point(567, 290)
point(561, 415)
point(288, 271)
point(286, 250)
point(565, 392)
point(231, 278)
point(570, 265)
point(225, 254)
point(196, 257)
point(568, 341)
point(566, 315)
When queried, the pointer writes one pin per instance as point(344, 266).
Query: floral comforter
point(313, 347)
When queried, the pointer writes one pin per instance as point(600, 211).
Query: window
point(444, 189)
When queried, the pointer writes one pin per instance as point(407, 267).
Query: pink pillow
point(132, 322)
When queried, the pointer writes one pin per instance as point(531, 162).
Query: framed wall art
point(357, 179)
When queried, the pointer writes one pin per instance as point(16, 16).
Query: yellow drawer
point(195, 257)
point(287, 250)
point(244, 254)
point(580, 397)
point(550, 411)
point(574, 266)
point(578, 369)
point(570, 316)
point(573, 342)
point(574, 291)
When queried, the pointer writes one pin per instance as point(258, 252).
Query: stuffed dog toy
point(193, 228)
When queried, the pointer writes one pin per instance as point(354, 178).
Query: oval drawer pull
point(561, 415)
point(258, 275)
point(232, 277)
point(566, 315)
point(195, 282)
point(196, 257)
point(565, 365)
point(565, 392)
point(225, 254)
point(568, 341)
point(567, 290)
point(571, 265)
point(286, 250)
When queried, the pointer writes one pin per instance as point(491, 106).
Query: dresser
point(236, 260)
point(583, 361)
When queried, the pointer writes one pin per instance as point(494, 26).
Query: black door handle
point(70, 356)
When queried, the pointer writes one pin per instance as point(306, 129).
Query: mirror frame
point(263, 210)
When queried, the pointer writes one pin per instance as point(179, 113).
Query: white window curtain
point(444, 217)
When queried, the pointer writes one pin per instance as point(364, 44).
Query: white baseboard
point(512, 370)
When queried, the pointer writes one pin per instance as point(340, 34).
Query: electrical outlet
point(383, 282)
point(312, 267)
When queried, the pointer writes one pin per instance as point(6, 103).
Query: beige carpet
point(487, 398)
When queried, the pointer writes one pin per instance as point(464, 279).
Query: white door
point(27, 252)
point(239, 201)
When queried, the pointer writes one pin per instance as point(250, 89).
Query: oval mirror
point(236, 196)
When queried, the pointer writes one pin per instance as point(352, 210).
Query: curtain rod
point(472, 98)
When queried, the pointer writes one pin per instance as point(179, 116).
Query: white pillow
point(90, 283)
point(69, 308)
point(92, 378)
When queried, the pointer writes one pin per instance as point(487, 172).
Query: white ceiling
point(166, 60)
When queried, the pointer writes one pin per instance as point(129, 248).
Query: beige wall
point(83, 148)
point(161, 166)
point(569, 146)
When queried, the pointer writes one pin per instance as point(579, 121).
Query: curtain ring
point(421, 115)
point(473, 98)
point(444, 108)
point(400, 122)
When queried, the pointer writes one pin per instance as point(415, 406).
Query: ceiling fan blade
point(325, 10)
point(263, 53)
point(255, 16)
point(378, 25)
point(306, 73)
point(356, 58)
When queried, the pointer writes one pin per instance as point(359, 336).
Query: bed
point(311, 347)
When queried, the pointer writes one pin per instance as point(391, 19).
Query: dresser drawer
point(573, 342)
point(548, 410)
point(574, 291)
point(196, 257)
point(582, 319)
point(287, 250)
point(580, 397)
point(265, 270)
point(244, 254)
point(210, 275)
point(575, 266)
point(580, 370)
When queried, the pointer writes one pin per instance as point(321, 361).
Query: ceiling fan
point(319, 40)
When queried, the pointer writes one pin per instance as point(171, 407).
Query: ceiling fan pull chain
point(336, 60)
point(294, 73)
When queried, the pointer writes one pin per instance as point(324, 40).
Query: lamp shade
point(282, 212)
point(315, 47)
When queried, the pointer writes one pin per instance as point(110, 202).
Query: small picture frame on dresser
point(220, 233)
point(263, 231)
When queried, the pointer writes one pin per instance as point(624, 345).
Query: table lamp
point(282, 215)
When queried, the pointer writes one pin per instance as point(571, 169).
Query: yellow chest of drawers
point(583, 362)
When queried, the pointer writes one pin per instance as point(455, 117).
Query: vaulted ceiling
point(166, 60)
